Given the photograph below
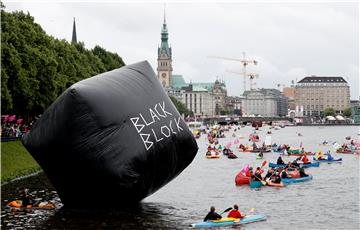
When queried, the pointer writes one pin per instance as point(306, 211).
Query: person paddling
point(235, 213)
point(329, 157)
point(212, 215)
point(26, 198)
point(305, 160)
point(302, 173)
point(280, 161)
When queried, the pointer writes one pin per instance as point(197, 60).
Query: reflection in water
point(141, 216)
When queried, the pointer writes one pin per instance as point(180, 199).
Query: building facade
point(289, 92)
point(355, 114)
point(317, 93)
point(264, 102)
point(199, 100)
point(164, 58)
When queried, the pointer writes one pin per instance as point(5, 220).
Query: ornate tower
point(164, 58)
point(74, 39)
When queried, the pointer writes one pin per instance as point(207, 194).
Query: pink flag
point(12, 118)
point(228, 145)
point(245, 169)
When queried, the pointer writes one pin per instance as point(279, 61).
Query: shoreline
point(328, 125)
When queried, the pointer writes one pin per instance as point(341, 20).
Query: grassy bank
point(16, 161)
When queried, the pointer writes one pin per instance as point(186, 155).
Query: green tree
point(36, 68)
point(347, 112)
point(181, 107)
point(329, 112)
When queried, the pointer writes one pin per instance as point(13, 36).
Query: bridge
point(244, 120)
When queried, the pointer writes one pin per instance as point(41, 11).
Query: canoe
point(229, 221)
point(329, 161)
point(296, 180)
point(241, 179)
point(255, 184)
point(42, 205)
point(314, 164)
point(269, 183)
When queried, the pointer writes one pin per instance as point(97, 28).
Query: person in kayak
point(305, 160)
point(284, 174)
point(212, 215)
point(257, 175)
point(280, 161)
point(302, 173)
point(261, 155)
point(269, 174)
point(235, 213)
point(249, 173)
point(276, 179)
point(208, 153)
point(26, 198)
point(329, 157)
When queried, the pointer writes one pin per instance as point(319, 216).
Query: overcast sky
point(289, 40)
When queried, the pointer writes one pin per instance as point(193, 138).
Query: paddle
point(263, 164)
point(226, 210)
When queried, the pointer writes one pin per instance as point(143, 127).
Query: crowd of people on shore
point(14, 126)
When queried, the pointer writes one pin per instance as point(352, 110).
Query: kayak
point(344, 151)
point(241, 179)
point(229, 221)
point(259, 158)
point(269, 183)
point(213, 157)
point(329, 161)
point(296, 180)
point(246, 150)
point(293, 151)
point(260, 150)
point(42, 205)
point(231, 156)
point(255, 184)
point(314, 164)
point(300, 154)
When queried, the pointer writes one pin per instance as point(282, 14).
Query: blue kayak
point(296, 180)
point(329, 161)
point(315, 164)
point(255, 184)
point(229, 221)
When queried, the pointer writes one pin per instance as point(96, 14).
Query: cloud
point(290, 40)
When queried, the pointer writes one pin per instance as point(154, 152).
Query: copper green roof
point(177, 81)
point(207, 85)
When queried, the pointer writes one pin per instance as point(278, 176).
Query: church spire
point(164, 47)
point(164, 13)
point(74, 38)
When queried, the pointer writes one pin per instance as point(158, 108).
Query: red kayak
point(241, 179)
point(344, 151)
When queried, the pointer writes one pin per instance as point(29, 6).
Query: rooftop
point(322, 79)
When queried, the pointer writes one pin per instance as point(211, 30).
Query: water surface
point(329, 201)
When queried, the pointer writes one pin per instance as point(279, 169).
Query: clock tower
point(164, 58)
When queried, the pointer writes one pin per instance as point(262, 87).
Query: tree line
point(36, 68)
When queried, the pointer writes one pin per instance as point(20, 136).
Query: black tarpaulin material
point(112, 139)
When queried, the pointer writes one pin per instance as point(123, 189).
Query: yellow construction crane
point(244, 62)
